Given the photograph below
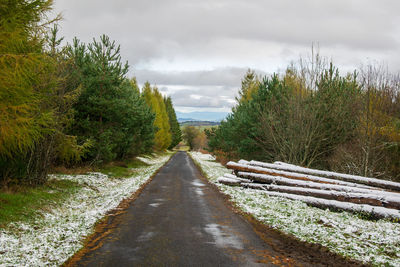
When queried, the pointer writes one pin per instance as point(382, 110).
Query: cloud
point(228, 76)
point(198, 45)
point(205, 97)
point(201, 89)
point(170, 27)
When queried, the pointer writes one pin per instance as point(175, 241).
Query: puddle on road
point(189, 165)
point(199, 192)
point(146, 236)
point(222, 238)
point(198, 183)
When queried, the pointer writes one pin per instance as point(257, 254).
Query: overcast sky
point(197, 51)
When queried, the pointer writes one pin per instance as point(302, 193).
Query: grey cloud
point(217, 77)
point(163, 89)
point(228, 36)
point(211, 97)
point(152, 29)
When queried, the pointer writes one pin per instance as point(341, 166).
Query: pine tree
point(176, 134)
point(102, 106)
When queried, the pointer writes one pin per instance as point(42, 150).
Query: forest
point(313, 115)
point(70, 103)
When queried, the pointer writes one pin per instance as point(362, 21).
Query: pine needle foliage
point(175, 129)
point(109, 111)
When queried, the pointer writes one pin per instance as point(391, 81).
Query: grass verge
point(122, 169)
point(24, 204)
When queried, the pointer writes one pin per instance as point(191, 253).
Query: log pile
point(323, 189)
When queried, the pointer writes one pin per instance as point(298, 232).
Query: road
point(180, 220)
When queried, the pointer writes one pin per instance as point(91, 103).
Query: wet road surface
point(178, 220)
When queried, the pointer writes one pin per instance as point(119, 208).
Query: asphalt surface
point(179, 220)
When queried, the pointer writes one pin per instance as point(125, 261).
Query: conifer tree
point(102, 108)
point(250, 85)
point(176, 134)
point(29, 84)
point(22, 68)
point(154, 99)
point(165, 133)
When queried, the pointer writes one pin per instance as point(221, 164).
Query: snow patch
point(198, 183)
point(373, 242)
point(221, 236)
point(59, 233)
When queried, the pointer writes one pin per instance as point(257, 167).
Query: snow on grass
point(59, 233)
point(374, 242)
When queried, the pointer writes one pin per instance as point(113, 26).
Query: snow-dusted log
point(371, 198)
point(377, 212)
point(255, 169)
point(270, 179)
point(283, 163)
point(334, 175)
point(228, 175)
point(229, 181)
point(245, 162)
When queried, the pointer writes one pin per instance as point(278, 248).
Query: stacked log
point(318, 188)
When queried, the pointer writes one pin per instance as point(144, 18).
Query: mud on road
point(180, 220)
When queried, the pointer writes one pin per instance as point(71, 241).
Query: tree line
point(314, 116)
point(64, 105)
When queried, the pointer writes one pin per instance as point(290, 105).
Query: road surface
point(180, 220)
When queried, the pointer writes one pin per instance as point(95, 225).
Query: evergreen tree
point(109, 110)
point(287, 121)
point(174, 124)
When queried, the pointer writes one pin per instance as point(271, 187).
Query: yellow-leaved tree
point(154, 99)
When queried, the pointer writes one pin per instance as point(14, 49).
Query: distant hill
point(201, 116)
point(199, 123)
point(180, 120)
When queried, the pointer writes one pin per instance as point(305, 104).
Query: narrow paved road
point(179, 220)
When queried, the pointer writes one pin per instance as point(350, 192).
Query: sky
point(197, 51)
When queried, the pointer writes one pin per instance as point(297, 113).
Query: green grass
point(24, 203)
point(122, 169)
